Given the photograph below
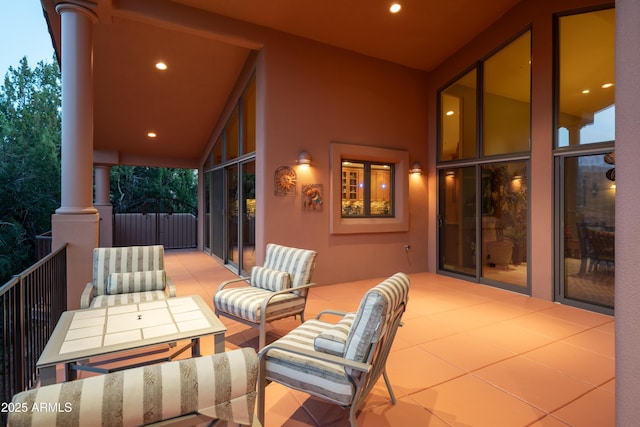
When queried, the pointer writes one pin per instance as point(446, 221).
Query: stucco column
point(77, 108)
point(102, 179)
point(102, 183)
point(627, 288)
point(76, 222)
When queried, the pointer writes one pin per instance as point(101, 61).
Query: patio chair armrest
point(87, 296)
point(272, 295)
point(170, 288)
point(325, 357)
point(228, 282)
point(331, 312)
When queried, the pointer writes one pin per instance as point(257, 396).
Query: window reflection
point(507, 99)
point(586, 111)
point(458, 119)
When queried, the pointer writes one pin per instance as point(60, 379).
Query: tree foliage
point(136, 188)
point(30, 140)
point(30, 126)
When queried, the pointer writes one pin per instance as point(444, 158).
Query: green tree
point(136, 188)
point(30, 132)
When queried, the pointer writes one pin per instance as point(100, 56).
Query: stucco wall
point(627, 300)
point(313, 95)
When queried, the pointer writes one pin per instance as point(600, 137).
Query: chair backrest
point(299, 263)
point(375, 316)
point(124, 260)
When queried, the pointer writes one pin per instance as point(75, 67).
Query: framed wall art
point(312, 197)
point(284, 181)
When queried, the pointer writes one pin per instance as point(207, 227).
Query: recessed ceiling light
point(161, 66)
point(586, 91)
point(395, 8)
point(449, 113)
point(607, 85)
point(152, 134)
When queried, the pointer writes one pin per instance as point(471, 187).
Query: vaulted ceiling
point(205, 57)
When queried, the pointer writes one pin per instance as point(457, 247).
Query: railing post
point(19, 349)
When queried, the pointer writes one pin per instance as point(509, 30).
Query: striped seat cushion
point(123, 260)
point(269, 279)
point(297, 262)
point(373, 314)
point(101, 301)
point(220, 386)
point(246, 302)
point(322, 379)
point(138, 281)
point(333, 339)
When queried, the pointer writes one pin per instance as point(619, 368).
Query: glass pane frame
point(585, 205)
point(458, 112)
point(367, 189)
point(506, 99)
point(400, 159)
point(584, 82)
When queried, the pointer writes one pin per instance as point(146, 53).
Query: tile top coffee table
point(83, 334)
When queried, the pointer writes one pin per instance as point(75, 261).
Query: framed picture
point(312, 197)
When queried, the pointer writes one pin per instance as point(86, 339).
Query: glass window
point(249, 118)
point(506, 99)
point(232, 135)
point(458, 118)
point(504, 199)
point(367, 189)
point(217, 151)
point(589, 229)
point(586, 109)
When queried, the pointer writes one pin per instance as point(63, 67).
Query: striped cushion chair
point(127, 275)
point(220, 386)
point(339, 362)
point(276, 290)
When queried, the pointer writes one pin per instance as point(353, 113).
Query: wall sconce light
point(517, 176)
point(304, 159)
point(450, 174)
point(416, 169)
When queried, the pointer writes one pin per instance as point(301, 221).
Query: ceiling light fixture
point(152, 134)
point(607, 85)
point(395, 8)
point(586, 91)
point(450, 113)
point(161, 66)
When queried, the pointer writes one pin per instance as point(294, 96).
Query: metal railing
point(31, 304)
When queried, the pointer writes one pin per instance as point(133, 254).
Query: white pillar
point(102, 183)
point(77, 108)
point(76, 222)
point(103, 204)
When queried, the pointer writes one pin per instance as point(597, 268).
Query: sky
point(23, 32)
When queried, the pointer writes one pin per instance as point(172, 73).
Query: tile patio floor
point(467, 355)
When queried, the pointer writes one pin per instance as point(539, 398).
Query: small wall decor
point(312, 197)
point(284, 181)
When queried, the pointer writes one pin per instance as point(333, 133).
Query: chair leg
point(386, 381)
point(352, 416)
point(262, 385)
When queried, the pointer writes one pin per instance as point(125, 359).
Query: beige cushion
point(270, 280)
point(334, 339)
point(139, 281)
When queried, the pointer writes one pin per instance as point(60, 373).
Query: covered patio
point(466, 355)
